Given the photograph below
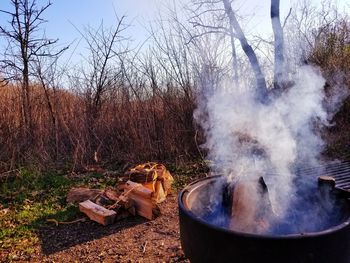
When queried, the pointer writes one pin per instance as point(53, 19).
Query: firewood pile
point(138, 192)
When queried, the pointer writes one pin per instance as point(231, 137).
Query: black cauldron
point(206, 242)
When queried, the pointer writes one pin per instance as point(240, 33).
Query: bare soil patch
point(129, 240)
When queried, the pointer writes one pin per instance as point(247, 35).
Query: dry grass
point(156, 127)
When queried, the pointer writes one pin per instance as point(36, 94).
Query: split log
point(143, 206)
point(150, 185)
point(167, 181)
point(111, 194)
point(103, 200)
point(132, 210)
point(244, 207)
point(143, 173)
point(142, 198)
point(326, 188)
point(138, 189)
point(159, 194)
point(97, 213)
point(81, 194)
point(127, 204)
point(250, 207)
point(147, 174)
point(325, 180)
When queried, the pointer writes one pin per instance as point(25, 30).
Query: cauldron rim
point(190, 214)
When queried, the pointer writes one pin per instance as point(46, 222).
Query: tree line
point(128, 103)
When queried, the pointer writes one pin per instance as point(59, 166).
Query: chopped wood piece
point(147, 174)
point(132, 210)
point(97, 213)
point(167, 181)
point(250, 206)
point(143, 173)
point(103, 200)
point(94, 168)
point(111, 194)
point(244, 207)
point(144, 206)
point(159, 195)
point(81, 194)
point(150, 185)
point(326, 180)
point(138, 189)
point(126, 202)
point(141, 176)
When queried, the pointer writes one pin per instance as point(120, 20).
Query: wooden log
point(138, 189)
point(97, 213)
point(159, 194)
point(126, 202)
point(143, 206)
point(167, 181)
point(103, 200)
point(111, 194)
point(244, 207)
point(143, 173)
point(142, 198)
point(141, 176)
point(326, 180)
point(148, 173)
point(251, 207)
point(150, 185)
point(81, 194)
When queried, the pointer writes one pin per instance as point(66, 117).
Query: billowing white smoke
point(246, 139)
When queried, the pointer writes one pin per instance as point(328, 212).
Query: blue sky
point(63, 14)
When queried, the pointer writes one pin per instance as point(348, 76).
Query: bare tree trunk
point(27, 101)
point(23, 36)
point(278, 43)
point(261, 93)
point(234, 57)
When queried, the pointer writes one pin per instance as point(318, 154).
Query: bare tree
point(100, 73)
point(48, 73)
point(248, 50)
point(209, 22)
point(226, 22)
point(278, 43)
point(105, 46)
point(25, 44)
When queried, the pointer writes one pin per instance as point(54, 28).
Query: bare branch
point(248, 50)
point(287, 17)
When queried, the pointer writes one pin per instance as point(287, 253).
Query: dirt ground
point(129, 240)
point(133, 239)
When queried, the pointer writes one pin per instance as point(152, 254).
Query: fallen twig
point(56, 222)
point(144, 247)
point(123, 194)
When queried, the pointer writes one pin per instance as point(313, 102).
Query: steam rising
point(246, 139)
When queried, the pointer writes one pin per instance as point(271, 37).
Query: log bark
point(80, 194)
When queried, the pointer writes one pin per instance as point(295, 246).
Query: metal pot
point(205, 242)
